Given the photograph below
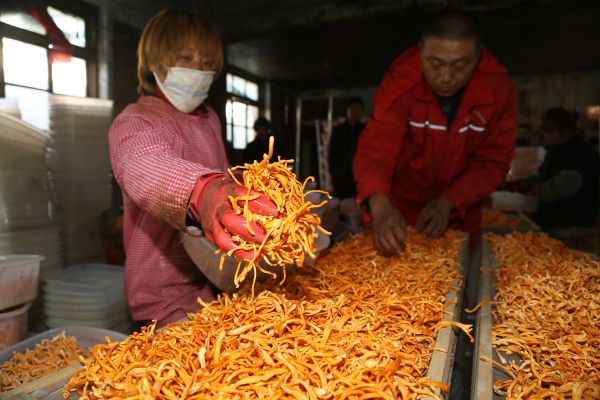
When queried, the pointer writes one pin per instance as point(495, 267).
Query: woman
point(168, 157)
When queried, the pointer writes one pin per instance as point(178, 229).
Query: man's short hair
point(453, 24)
point(560, 120)
point(262, 122)
point(355, 100)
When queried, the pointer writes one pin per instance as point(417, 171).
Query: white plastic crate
point(13, 325)
point(19, 276)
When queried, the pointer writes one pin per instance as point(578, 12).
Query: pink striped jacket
point(158, 154)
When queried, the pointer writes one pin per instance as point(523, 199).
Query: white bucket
point(13, 325)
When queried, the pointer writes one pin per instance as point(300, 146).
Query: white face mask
point(186, 88)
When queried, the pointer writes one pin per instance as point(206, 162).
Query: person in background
point(342, 148)
point(169, 159)
point(260, 145)
point(441, 136)
point(594, 144)
point(567, 181)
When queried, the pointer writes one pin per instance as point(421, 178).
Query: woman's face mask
point(186, 88)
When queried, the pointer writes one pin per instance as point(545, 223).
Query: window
point(72, 26)
point(25, 64)
point(242, 87)
point(25, 51)
point(22, 20)
point(70, 78)
point(241, 110)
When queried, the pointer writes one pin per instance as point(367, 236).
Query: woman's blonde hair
point(165, 35)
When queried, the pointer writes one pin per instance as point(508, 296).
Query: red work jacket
point(409, 153)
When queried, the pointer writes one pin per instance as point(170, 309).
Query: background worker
point(566, 184)
point(342, 148)
point(260, 145)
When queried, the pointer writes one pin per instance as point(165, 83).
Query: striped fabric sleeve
point(150, 172)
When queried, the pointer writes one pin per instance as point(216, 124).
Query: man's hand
point(389, 227)
point(211, 207)
point(434, 217)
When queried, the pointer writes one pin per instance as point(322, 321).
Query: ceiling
point(310, 44)
point(329, 44)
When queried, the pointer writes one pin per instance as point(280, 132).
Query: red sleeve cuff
point(194, 203)
point(363, 196)
point(454, 198)
point(373, 188)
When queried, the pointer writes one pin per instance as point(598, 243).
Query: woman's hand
point(212, 208)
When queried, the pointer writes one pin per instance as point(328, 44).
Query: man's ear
point(421, 49)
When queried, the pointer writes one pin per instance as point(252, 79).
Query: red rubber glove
point(209, 204)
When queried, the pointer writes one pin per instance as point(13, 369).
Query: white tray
point(87, 279)
point(442, 362)
point(50, 386)
point(483, 373)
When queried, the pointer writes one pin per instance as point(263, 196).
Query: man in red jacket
point(440, 138)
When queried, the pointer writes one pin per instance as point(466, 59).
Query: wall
point(573, 90)
point(124, 72)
